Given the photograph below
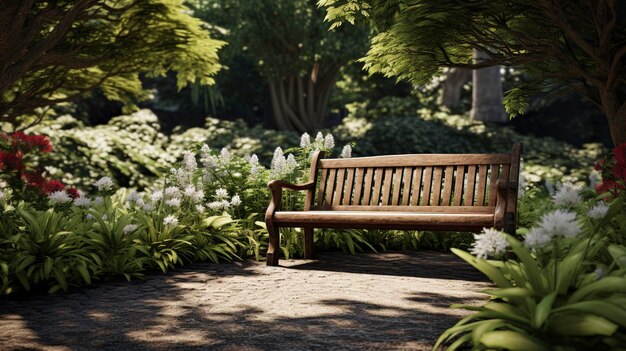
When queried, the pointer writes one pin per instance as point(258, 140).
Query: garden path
point(389, 301)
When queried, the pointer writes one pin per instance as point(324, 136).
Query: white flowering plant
point(562, 286)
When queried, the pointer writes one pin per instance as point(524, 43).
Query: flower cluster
point(282, 166)
point(16, 151)
point(489, 243)
point(613, 171)
point(566, 195)
point(553, 225)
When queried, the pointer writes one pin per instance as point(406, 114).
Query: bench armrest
point(502, 188)
point(276, 186)
point(279, 184)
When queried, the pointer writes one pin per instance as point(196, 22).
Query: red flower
point(599, 165)
point(73, 193)
point(13, 161)
point(51, 186)
point(620, 153)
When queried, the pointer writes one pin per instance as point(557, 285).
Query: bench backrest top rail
point(412, 160)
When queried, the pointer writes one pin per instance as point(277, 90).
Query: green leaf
point(543, 309)
point(512, 340)
point(574, 324)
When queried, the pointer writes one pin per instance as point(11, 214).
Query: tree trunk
point(456, 78)
point(299, 102)
point(617, 125)
point(487, 104)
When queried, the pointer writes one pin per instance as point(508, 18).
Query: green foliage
point(376, 133)
point(130, 149)
point(69, 48)
point(564, 293)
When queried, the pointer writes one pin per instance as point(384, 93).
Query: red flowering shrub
point(613, 170)
point(18, 152)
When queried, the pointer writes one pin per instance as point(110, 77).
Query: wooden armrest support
point(279, 184)
point(501, 194)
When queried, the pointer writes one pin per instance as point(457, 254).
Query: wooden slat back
point(412, 181)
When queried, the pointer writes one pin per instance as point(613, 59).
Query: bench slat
point(428, 176)
point(367, 186)
point(388, 180)
point(447, 187)
point(471, 185)
point(347, 194)
point(421, 160)
point(323, 180)
point(417, 185)
point(378, 183)
point(406, 191)
point(330, 186)
point(397, 186)
point(437, 179)
point(493, 179)
point(482, 185)
point(341, 174)
point(458, 185)
point(358, 186)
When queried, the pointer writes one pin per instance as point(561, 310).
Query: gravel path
point(389, 301)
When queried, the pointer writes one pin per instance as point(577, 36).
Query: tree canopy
point(292, 50)
point(56, 51)
point(576, 45)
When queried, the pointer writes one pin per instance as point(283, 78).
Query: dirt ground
point(388, 301)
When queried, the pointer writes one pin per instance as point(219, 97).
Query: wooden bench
point(451, 192)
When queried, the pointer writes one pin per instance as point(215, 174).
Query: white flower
point(197, 196)
point(189, 161)
point(215, 205)
point(221, 193)
point(549, 186)
point(200, 209)
point(147, 207)
point(319, 140)
point(189, 190)
point(329, 141)
point(104, 184)
point(537, 238)
point(598, 211)
point(173, 192)
point(205, 151)
point(133, 196)
point(105, 217)
point(561, 223)
point(235, 200)
point(173, 202)
point(305, 140)
point(600, 273)
point(224, 156)
point(254, 160)
point(594, 177)
point(59, 197)
point(156, 196)
point(99, 200)
point(89, 216)
point(489, 243)
point(170, 220)
point(278, 159)
point(129, 228)
point(521, 184)
point(566, 195)
point(183, 176)
point(290, 164)
point(346, 152)
point(82, 202)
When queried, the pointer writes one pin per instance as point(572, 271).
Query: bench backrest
point(418, 182)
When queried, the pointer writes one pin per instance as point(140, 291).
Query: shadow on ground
point(247, 307)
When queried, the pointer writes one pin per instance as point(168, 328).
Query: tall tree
point(487, 102)
point(577, 45)
point(293, 51)
point(56, 51)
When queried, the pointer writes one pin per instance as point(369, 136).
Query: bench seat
point(441, 192)
point(387, 219)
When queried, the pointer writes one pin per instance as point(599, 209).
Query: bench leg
point(309, 244)
point(273, 248)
